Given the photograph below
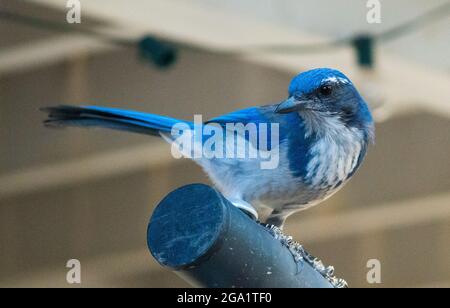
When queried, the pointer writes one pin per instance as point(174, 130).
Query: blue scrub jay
point(324, 129)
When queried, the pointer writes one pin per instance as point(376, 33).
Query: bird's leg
point(277, 219)
point(245, 207)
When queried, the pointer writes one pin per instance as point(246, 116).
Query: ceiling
point(429, 46)
point(411, 72)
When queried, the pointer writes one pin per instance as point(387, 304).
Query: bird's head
point(326, 94)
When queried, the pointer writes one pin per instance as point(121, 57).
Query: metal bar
point(209, 242)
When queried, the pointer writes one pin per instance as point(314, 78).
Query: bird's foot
point(246, 207)
point(300, 254)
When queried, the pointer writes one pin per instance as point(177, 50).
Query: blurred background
point(88, 195)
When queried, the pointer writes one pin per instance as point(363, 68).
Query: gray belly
point(277, 188)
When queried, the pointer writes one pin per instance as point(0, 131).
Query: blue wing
point(291, 132)
point(250, 115)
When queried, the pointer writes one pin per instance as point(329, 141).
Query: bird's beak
point(292, 104)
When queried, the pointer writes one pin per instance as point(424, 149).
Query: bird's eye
point(326, 90)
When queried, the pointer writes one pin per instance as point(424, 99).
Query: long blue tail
point(119, 119)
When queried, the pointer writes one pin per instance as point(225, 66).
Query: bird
point(324, 128)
